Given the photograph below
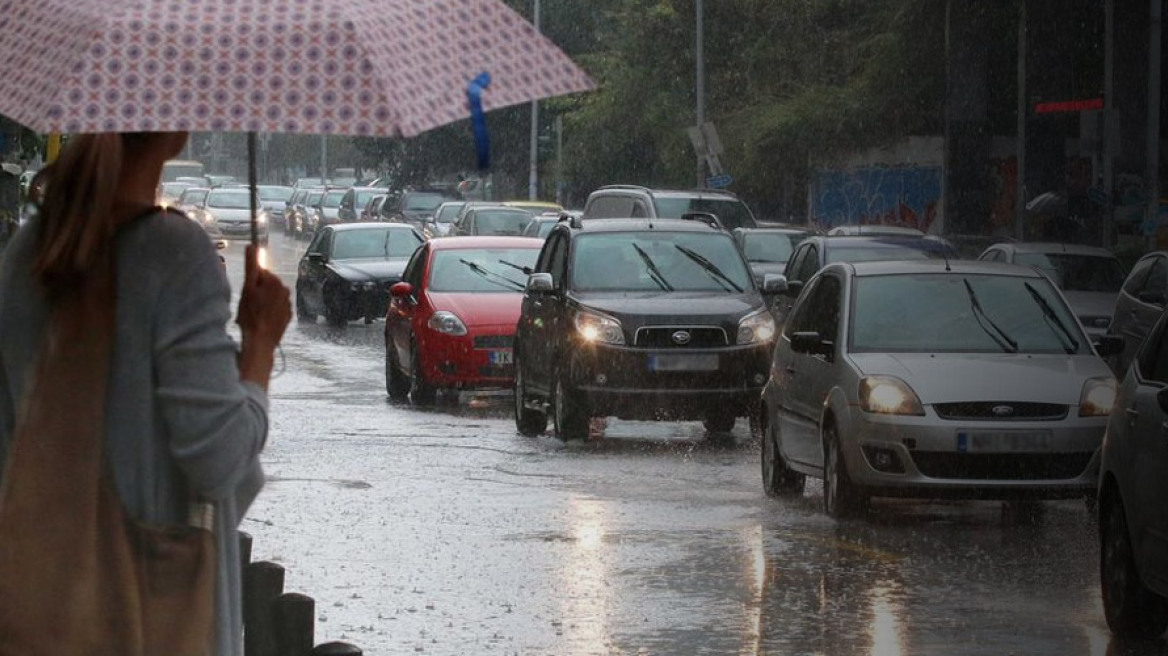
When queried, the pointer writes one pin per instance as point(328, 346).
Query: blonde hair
point(75, 198)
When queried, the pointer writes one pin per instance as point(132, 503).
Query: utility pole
point(700, 88)
point(533, 174)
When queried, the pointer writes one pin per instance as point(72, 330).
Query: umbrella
point(359, 67)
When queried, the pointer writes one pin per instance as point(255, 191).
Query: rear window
point(501, 223)
point(374, 244)
point(333, 199)
point(731, 213)
point(423, 201)
point(770, 246)
point(275, 193)
point(878, 254)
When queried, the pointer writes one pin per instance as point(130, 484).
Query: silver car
point(934, 379)
point(229, 209)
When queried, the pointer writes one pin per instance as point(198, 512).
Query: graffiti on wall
point(889, 195)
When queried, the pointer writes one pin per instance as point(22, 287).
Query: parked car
point(876, 230)
point(629, 201)
point(170, 192)
point(541, 226)
point(767, 250)
point(1089, 277)
point(934, 379)
point(443, 221)
point(1141, 300)
point(642, 320)
point(492, 220)
point(274, 199)
point(1133, 482)
point(326, 210)
point(293, 213)
point(304, 213)
point(192, 199)
point(355, 200)
point(372, 210)
point(417, 206)
point(229, 208)
point(451, 321)
point(348, 269)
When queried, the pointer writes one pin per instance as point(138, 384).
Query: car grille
point(985, 411)
point(994, 466)
point(493, 341)
point(662, 337)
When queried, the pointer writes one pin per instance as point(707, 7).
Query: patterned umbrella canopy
point(361, 67)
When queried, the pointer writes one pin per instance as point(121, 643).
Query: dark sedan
point(348, 270)
point(768, 249)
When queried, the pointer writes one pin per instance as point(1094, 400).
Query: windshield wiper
point(710, 268)
point(1003, 340)
point(493, 277)
point(654, 273)
point(1070, 344)
point(523, 269)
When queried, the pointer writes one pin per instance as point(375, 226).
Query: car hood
point(363, 270)
point(638, 309)
point(987, 377)
point(1092, 304)
point(479, 309)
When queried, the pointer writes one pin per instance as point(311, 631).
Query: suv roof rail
point(625, 186)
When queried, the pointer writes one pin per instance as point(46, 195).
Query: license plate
point(499, 357)
point(683, 362)
point(1003, 441)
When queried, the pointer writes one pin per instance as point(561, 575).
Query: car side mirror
point(401, 289)
point(811, 343)
point(540, 283)
point(316, 258)
point(1154, 298)
point(773, 283)
point(1108, 345)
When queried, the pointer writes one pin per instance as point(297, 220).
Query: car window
point(422, 201)
point(332, 199)
point(658, 261)
point(414, 268)
point(373, 244)
point(1138, 276)
point(809, 266)
point(772, 247)
point(800, 314)
point(796, 262)
point(501, 222)
point(821, 310)
point(320, 243)
point(731, 213)
point(611, 207)
point(558, 262)
point(1157, 283)
point(1076, 273)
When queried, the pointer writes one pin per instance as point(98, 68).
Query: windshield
point(193, 197)
point(363, 197)
point(232, 199)
point(447, 213)
point(174, 189)
point(423, 202)
point(731, 213)
point(281, 194)
point(313, 198)
point(1077, 273)
point(491, 270)
point(504, 223)
point(658, 261)
point(333, 199)
point(877, 253)
point(770, 246)
point(939, 313)
point(373, 243)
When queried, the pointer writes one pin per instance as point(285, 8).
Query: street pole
point(700, 88)
point(1152, 142)
point(533, 174)
point(1023, 113)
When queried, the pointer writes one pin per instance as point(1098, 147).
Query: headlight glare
point(598, 328)
point(1098, 397)
point(756, 328)
point(887, 395)
point(446, 323)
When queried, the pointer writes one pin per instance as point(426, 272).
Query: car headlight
point(598, 328)
point(1098, 397)
point(262, 217)
point(756, 328)
point(446, 323)
point(887, 395)
point(206, 217)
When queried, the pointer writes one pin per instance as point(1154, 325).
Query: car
point(275, 199)
point(326, 210)
point(541, 226)
point(629, 201)
point(767, 249)
point(451, 321)
point(219, 180)
point(169, 192)
point(444, 218)
point(355, 200)
point(372, 209)
point(931, 379)
point(492, 220)
point(1141, 300)
point(1133, 553)
point(348, 269)
point(534, 206)
point(192, 199)
point(641, 319)
point(229, 209)
point(304, 212)
point(1089, 277)
point(417, 206)
point(876, 230)
point(292, 211)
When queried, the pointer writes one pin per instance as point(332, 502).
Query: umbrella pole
point(251, 179)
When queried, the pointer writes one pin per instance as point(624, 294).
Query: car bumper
point(481, 359)
point(361, 299)
point(932, 457)
point(631, 383)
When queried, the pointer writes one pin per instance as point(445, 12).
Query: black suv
point(629, 201)
point(640, 319)
point(417, 206)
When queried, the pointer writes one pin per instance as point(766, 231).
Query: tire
point(841, 498)
point(571, 414)
point(529, 423)
point(397, 385)
point(1132, 610)
point(421, 391)
point(302, 313)
point(777, 479)
point(720, 421)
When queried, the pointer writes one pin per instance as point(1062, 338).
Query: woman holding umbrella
point(185, 410)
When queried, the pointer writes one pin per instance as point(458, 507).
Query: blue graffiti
point(905, 195)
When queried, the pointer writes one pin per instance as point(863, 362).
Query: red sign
point(1064, 106)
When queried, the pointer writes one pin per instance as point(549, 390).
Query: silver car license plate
point(977, 441)
point(684, 362)
point(500, 357)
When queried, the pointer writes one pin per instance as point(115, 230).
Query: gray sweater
point(177, 413)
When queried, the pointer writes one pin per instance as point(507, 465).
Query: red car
point(452, 319)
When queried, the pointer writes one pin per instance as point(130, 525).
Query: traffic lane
point(443, 531)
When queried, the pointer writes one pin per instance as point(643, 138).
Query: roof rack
point(626, 186)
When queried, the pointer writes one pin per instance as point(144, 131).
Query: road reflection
point(585, 577)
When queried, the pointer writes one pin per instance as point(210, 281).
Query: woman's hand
point(265, 309)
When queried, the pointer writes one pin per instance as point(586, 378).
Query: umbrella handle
point(252, 188)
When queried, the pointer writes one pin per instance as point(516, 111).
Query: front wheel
point(1132, 610)
point(302, 312)
point(720, 421)
point(841, 497)
point(530, 423)
point(572, 417)
point(778, 480)
point(421, 391)
point(397, 385)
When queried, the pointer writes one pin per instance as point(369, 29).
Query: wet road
point(444, 532)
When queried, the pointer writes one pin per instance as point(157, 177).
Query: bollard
point(244, 550)
point(262, 584)
point(336, 649)
point(295, 624)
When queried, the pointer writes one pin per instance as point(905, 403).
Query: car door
point(1147, 445)
point(1144, 301)
point(540, 316)
point(399, 319)
point(807, 378)
point(315, 270)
